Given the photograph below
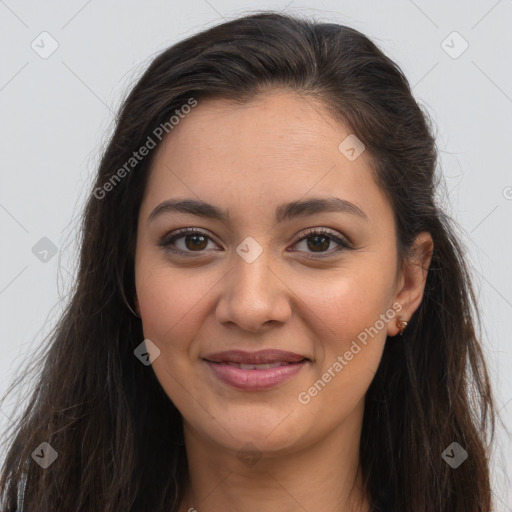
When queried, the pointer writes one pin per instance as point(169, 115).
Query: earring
point(401, 324)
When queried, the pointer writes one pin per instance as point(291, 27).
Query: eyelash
point(310, 233)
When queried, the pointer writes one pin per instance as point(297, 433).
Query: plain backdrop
point(57, 111)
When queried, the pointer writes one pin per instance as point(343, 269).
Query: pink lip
point(255, 379)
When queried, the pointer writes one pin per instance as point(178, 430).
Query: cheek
point(349, 316)
point(346, 302)
point(168, 302)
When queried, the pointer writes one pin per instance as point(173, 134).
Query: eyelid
point(324, 231)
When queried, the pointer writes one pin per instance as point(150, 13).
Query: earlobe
point(412, 281)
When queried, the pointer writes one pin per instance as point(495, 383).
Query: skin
point(250, 159)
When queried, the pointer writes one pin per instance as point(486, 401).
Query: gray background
point(57, 113)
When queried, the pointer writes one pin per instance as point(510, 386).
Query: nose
point(254, 295)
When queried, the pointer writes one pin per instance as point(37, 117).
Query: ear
point(136, 304)
point(412, 279)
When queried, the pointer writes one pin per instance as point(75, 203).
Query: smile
point(255, 371)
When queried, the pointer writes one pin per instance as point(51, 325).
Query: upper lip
point(260, 357)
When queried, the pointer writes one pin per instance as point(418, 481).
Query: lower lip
point(254, 379)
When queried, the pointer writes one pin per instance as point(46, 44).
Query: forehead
point(280, 147)
point(282, 128)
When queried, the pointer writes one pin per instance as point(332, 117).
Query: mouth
point(266, 366)
point(259, 358)
point(255, 370)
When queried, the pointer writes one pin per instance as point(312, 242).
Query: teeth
point(257, 366)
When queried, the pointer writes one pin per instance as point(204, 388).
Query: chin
point(265, 431)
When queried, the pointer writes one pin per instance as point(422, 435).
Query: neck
point(323, 477)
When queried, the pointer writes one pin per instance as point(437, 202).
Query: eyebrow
point(283, 212)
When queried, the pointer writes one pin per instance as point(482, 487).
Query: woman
point(271, 311)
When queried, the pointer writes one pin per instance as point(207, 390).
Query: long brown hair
point(118, 436)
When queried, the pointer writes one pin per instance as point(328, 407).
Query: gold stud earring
point(401, 324)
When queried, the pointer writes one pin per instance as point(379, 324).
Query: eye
point(193, 241)
point(319, 240)
point(186, 241)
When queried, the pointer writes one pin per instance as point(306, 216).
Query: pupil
point(320, 245)
point(196, 237)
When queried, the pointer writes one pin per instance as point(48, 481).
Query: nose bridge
point(251, 269)
point(251, 275)
point(253, 293)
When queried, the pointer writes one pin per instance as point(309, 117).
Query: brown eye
point(186, 241)
point(194, 242)
point(320, 240)
point(316, 243)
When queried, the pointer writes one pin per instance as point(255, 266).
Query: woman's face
point(221, 301)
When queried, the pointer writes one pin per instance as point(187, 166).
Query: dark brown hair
point(118, 435)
